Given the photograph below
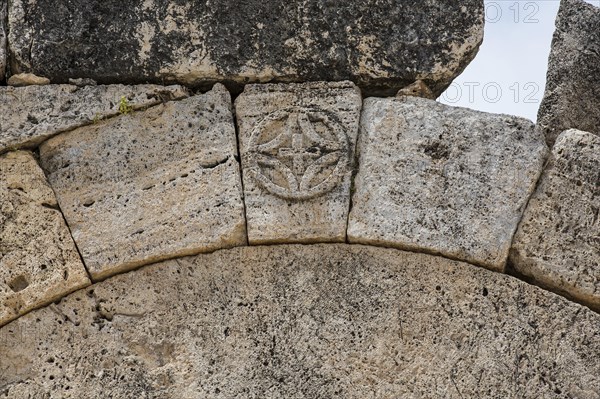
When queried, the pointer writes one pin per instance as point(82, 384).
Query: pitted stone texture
point(82, 82)
point(30, 115)
point(3, 15)
point(38, 259)
point(297, 146)
point(381, 45)
point(321, 321)
point(442, 179)
point(150, 185)
point(572, 97)
point(417, 89)
point(558, 240)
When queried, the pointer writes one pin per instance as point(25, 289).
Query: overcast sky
point(509, 73)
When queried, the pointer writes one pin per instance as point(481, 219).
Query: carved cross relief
point(299, 153)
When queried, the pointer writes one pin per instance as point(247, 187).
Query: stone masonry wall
point(204, 200)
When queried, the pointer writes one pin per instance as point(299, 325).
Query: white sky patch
point(509, 73)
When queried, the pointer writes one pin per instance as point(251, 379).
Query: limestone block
point(572, 97)
point(379, 44)
point(444, 180)
point(558, 240)
point(297, 146)
point(3, 14)
point(150, 185)
point(27, 79)
point(38, 259)
point(30, 115)
point(417, 89)
point(82, 82)
point(306, 322)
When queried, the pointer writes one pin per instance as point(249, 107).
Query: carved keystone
point(312, 163)
point(297, 144)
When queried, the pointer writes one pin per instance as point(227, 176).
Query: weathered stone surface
point(322, 321)
point(150, 185)
point(297, 146)
point(82, 82)
point(382, 45)
point(27, 79)
point(3, 15)
point(30, 115)
point(572, 97)
point(442, 179)
point(38, 259)
point(417, 89)
point(558, 240)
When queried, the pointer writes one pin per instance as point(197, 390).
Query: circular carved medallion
point(299, 153)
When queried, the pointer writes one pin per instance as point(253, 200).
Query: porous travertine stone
point(27, 79)
point(38, 259)
point(558, 240)
point(3, 15)
point(150, 185)
point(81, 82)
point(572, 97)
point(30, 115)
point(379, 44)
point(442, 179)
point(417, 89)
point(297, 146)
point(320, 321)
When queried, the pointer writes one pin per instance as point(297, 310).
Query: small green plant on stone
point(97, 118)
point(124, 106)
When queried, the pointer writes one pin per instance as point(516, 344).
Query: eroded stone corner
point(557, 244)
point(297, 145)
point(39, 262)
point(572, 95)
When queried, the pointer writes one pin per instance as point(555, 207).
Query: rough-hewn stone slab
point(442, 179)
point(3, 12)
point(297, 144)
point(30, 115)
point(321, 321)
point(150, 185)
point(27, 79)
point(38, 259)
point(572, 97)
point(558, 241)
point(381, 45)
